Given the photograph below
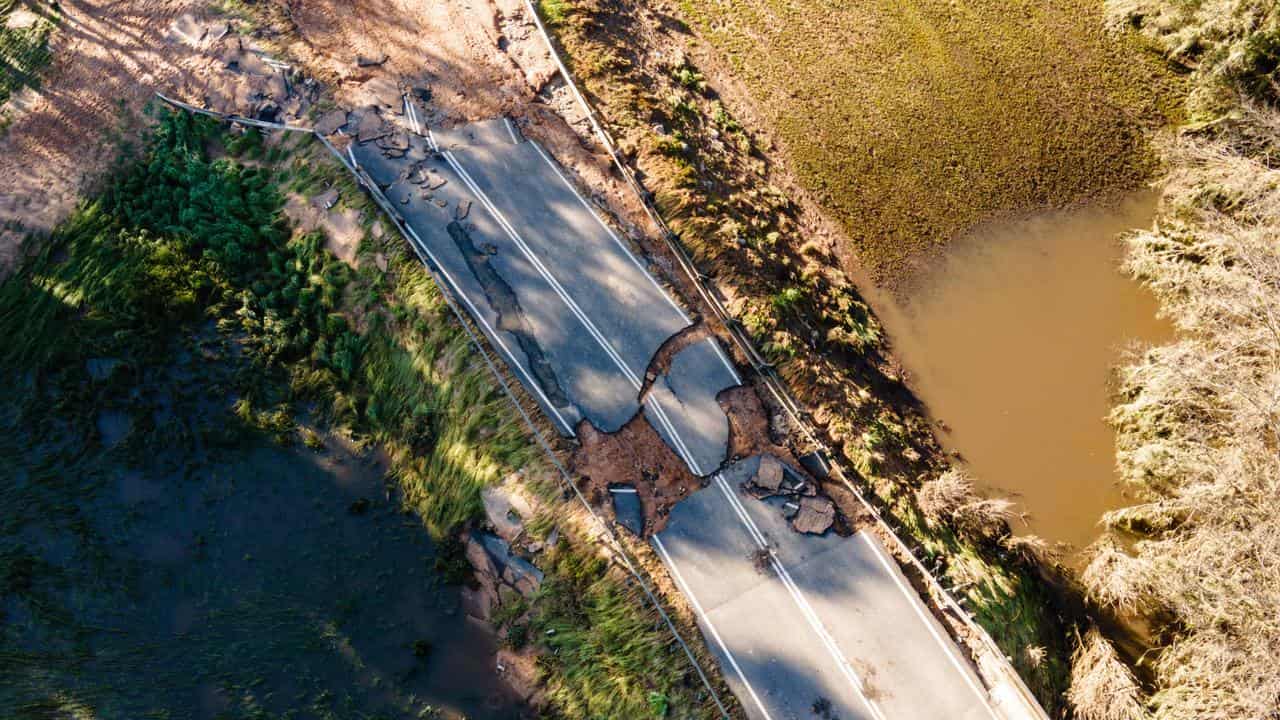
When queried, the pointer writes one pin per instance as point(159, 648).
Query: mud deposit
point(1011, 343)
point(248, 579)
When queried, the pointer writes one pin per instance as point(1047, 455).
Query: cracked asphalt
point(802, 625)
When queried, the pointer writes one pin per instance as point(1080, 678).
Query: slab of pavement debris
point(686, 397)
point(858, 597)
point(627, 507)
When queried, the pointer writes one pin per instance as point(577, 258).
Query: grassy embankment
point(189, 254)
point(722, 196)
point(24, 49)
point(910, 122)
point(1196, 418)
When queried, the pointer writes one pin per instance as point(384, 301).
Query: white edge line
point(693, 600)
point(510, 130)
point(727, 365)
point(485, 324)
point(609, 230)
point(914, 599)
point(681, 448)
point(543, 270)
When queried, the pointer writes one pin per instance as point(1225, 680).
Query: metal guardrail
point(765, 370)
point(447, 291)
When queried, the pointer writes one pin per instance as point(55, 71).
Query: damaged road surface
point(804, 622)
point(797, 619)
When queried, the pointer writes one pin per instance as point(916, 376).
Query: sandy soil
point(108, 59)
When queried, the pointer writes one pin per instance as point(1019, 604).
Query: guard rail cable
point(613, 543)
point(765, 370)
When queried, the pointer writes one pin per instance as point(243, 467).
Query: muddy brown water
point(1011, 341)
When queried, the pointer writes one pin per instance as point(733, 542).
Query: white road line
point(914, 601)
point(727, 365)
point(542, 269)
point(628, 491)
point(431, 138)
point(510, 130)
point(609, 230)
point(693, 600)
point(484, 323)
point(595, 333)
point(681, 448)
point(806, 610)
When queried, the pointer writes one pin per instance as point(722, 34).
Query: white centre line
point(806, 610)
point(609, 230)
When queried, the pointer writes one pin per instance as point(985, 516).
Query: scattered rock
point(506, 507)
point(380, 261)
point(398, 140)
point(769, 475)
point(268, 112)
point(422, 93)
point(371, 127)
point(371, 61)
point(815, 515)
point(463, 209)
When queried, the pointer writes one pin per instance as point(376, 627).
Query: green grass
point(912, 121)
point(553, 12)
point(584, 615)
point(191, 249)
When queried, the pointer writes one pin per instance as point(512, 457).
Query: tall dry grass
point(1198, 428)
point(1102, 686)
point(1197, 420)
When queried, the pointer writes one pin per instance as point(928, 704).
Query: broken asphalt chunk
point(815, 515)
point(627, 507)
point(331, 122)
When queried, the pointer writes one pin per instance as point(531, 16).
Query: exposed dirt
point(341, 226)
point(108, 57)
point(750, 432)
point(635, 455)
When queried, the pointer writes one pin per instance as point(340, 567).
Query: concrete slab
point(627, 507)
point(681, 405)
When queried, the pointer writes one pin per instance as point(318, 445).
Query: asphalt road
point(825, 619)
point(815, 627)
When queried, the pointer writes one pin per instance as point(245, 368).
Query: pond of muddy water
point(1011, 342)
